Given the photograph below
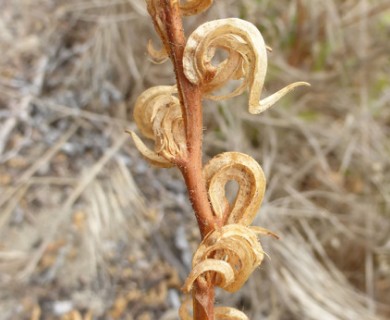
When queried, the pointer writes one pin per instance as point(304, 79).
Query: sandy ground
point(88, 230)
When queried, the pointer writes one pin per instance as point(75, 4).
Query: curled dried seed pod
point(153, 158)
point(168, 126)
point(148, 104)
point(251, 182)
point(158, 56)
point(235, 249)
point(158, 116)
point(192, 7)
point(222, 268)
point(247, 60)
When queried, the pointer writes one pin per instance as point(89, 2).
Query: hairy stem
point(191, 103)
point(203, 300)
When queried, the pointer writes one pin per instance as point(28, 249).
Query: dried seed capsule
point(251, 181)
point(157, 113)
point(247, 60)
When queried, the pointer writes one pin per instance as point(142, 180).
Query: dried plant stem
point(203, 300)
point(191, 103)
point(191, 167)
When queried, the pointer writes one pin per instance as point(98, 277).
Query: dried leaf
point(247, 60)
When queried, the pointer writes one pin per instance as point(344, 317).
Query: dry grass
point(77, 234)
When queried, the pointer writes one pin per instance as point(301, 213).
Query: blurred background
point(88, 230)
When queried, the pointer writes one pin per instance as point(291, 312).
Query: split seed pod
point(247, 60)
point(158, 116)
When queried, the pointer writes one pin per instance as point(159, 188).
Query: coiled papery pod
point(247, 60)
point(192, 7)
point(250, 178)
point(158, 56)
point(236, 253)
point(158, 116)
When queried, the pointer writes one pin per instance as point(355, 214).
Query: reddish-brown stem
point(169, 16)
point(203, 299)
point(191, 102)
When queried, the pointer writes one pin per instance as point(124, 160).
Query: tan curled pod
point(247, 60)
point(157, 113)
point(147, 105)
point(158, 56)
point(250, 178)
point(235, 252)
